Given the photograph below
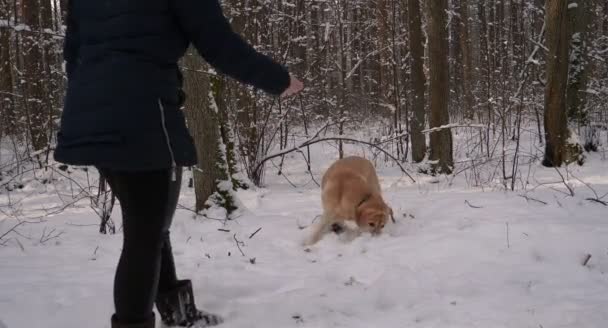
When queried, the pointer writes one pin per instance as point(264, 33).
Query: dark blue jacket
point(122, 107)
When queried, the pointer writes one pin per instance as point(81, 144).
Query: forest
point(497, 108)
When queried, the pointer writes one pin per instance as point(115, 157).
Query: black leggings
point(148, 200)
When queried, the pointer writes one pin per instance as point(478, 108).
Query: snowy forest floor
point(458, 256)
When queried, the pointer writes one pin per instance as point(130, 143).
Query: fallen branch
point(508, 241)
point(597, 201)
point(472, 206)
point(253, 234)
point(527, 198)
point(597, 198)
point(587, 258)
point(238, 244)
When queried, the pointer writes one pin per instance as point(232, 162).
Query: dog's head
point(372, 214)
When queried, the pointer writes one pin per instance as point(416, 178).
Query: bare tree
point(556, 129)
point(37, 116)
point(418, 81)
point(441, 139)
point(202, 124)
point(7, 122)
point(467, 63)
point(578, 17)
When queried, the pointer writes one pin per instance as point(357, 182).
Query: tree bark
point(383, 57)
point(202, 124)
point(418, 81)
point(576, 95)
point(486, 74)
point(37, 117)
point(557, 80)
point(7, 105)
point(467, 66)
point(441, 141)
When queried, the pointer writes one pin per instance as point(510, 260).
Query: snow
point(458, 256)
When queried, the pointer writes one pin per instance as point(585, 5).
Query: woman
point(122, 115)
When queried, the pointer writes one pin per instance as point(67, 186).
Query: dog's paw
point(337, 228)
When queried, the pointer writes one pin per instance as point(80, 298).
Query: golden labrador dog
point(350, 191)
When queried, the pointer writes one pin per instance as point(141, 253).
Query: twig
point(312, 176)
point(508, 242)
point(597, 198)
point(597, 201)
point(238, 244)
point(564, 182)
point(12, 229)
point(527, 198)
point(223, 230)
point(182, 207)
point(82, 225)
point(253, 234)
point(472, 206)
point(46, 237)
point(283, 175)
point(587, 258)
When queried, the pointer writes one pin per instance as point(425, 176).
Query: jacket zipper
point(162, 119)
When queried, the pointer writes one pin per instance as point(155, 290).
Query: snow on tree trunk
point(557, 148)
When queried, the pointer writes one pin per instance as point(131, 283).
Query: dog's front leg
point(318, 230)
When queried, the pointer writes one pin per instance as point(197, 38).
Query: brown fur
point(350, 191)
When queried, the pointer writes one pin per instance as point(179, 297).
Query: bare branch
point(528, 199)
point(564, 182)
point(238, 244)
point(12, 229)
point(472, 206)
point(315, 140)
point(253, 234)
point(586, 260)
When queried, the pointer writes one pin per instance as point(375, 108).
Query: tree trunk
point(37, 116)
point(51, 82)
point(7, 105)
point(383, 57)
point(418, 81)
point(202, 123)
point(484, 81)
point(441, 141)
point(467, 66)
point(556, 131)
point(576, 95)
point(455, 103)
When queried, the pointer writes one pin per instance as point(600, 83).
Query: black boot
point(177, 308)
point(144, 324)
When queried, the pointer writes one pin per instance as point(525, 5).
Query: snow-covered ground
point(459, 256)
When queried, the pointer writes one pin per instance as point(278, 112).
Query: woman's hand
point(295, 86)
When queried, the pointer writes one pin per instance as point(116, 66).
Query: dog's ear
point(359, 208)
point(358, 212)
